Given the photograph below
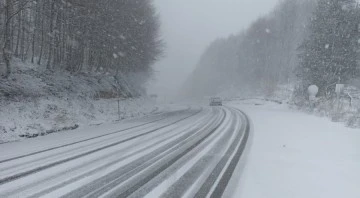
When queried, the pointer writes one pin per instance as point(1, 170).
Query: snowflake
point(122, 37)
point(122, 54)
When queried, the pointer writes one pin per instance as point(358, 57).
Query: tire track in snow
point(235, 151)
point(11, 167)
point(185, 133)
point(204, 153)
point(170, 162)
point(113, 179)
point(203, 166)
point(85, 140)
point(41, 168)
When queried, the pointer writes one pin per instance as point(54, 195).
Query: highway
point(189, 152)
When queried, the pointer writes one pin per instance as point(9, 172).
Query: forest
point(67, 63)
point(80, 36)
point(300, 43)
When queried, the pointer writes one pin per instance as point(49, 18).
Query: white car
point(215, 101)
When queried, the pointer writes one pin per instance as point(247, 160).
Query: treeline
point(257, 59)
point(302, 42)
point(329, 55)
point(80, 36)
point(268, 53)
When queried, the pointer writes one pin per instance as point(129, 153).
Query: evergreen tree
point(328, 55)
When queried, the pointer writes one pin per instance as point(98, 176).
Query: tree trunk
point(22, 40)
point(18, 36)
point(63, 47)
point(51, 32)
point(33, 46)
point(36, 20)
point(42, 36)
point(7, 39)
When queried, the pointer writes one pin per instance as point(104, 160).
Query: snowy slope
point(45, 115)
point(299, 155)
point(33, 101)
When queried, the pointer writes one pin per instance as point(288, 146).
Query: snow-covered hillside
point(35, 103)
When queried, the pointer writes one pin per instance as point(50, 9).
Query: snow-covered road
point(184, 153)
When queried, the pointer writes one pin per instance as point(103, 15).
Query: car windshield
point(180, 98)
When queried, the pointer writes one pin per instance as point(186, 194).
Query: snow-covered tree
point(329, 54)
point(81, 36)
point(259, 58)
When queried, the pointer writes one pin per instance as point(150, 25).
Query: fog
point(189, 26)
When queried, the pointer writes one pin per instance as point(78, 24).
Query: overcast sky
point(189, 26)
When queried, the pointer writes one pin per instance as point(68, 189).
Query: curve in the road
point(193, 156)
point(223, 182)
point(47, 166)
point(105, 181)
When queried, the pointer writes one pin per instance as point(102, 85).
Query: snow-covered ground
point(43, 115)
point(298, 155)
point(36, 102)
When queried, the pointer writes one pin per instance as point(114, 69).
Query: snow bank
point(281, 95)
point(344, 109)
point(298, 155)
point(42, 116)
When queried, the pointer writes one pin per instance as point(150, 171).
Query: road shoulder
point(298, 155)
